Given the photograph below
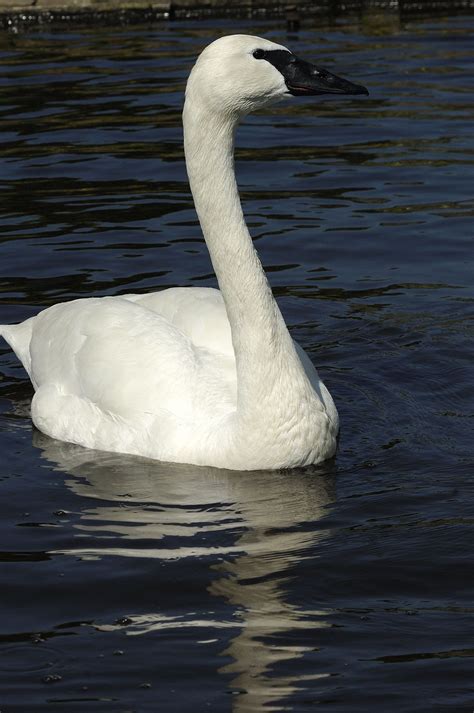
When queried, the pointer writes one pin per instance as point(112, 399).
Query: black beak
point(303, 78)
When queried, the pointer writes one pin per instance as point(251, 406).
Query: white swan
point(193, 375)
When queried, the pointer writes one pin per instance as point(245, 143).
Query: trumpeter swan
point(193, 375)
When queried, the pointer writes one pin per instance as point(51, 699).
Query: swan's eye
point(259, 54)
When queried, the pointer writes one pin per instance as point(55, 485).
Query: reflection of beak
point(303, 78)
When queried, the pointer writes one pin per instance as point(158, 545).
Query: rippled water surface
point(129, 585)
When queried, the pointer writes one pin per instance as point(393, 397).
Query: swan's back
point(113, 374)
point(198, 312)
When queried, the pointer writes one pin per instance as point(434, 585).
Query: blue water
point(129, 585)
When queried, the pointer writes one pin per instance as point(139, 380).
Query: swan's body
point(191, 375)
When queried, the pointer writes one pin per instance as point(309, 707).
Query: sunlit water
point(129, 585)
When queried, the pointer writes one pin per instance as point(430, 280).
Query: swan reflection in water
point(258, 525)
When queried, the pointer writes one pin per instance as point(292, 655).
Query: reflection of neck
point(256, 584)
point(263, 347)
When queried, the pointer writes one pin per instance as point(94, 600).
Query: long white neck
point(270, 376)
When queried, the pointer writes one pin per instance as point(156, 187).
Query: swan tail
point(18, 337)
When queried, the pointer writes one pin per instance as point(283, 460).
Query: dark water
point(128, 585)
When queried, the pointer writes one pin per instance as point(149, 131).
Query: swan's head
point(237, 74)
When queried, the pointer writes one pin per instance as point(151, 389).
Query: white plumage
point(192, 375)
